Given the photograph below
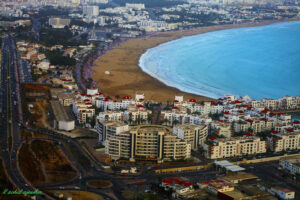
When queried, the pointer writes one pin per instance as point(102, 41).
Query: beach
point(126, 78)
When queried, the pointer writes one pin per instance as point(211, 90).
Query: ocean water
point(262, 62)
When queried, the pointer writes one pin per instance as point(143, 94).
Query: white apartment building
point(225, 148)
point(149, 25)
point(292, 165)
point(197, 119)
point(116, 138)
point(265, 103)
point(150, 142)
point(288, 102)
point(158, 142)
point(290, 140)
point(83, 111)
point(138, 6)
point(256, 125)
point(111, 116)
point(59, 22)
point(195, 135)
point(139, 116)
point(92, 11)
point(106, 129)
point(171, 117)
point(206, 108)
point(108, 104)
point(221, 128)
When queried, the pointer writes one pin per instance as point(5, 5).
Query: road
point(11, 115)
point(12, 120)
point(269, 172)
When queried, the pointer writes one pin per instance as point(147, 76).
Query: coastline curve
point(155, 62)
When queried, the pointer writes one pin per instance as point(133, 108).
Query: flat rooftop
point(241, 176)
point(59, 111)
point(61, 93)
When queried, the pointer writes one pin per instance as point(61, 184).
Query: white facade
point(284, 141)
point(66, 125)
point(90, 11)
point(44, 65)
point(137, 6)
point(195, 135)
point(290, 164)
point(224, 148)
point(59, 22)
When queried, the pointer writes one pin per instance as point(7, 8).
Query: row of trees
point(51, 36)
point(56, 57)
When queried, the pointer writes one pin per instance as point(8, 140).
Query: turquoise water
point(262, 62)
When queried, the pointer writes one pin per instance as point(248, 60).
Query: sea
point(261, 62)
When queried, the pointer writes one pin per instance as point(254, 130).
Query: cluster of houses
point(236, 132)
point(239, 185)
point(228, 127)
point(31, 53)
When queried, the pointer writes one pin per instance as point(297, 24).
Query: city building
point(61, 119)
point(195, 135)
point(65, 97)
point(137, 6)
point(230, 147)
point(149, 142)
point(83, 110)
point(291, 164)
point(59, 22)
point(91, 11)
point(286, 141)
point(43, 65)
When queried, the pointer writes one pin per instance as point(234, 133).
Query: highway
point(11, 121)
point(11, 115)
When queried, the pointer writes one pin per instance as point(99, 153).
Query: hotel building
point(289, 140)
point(195, 135)
point(257, 125)
point(224, 148)
point(152, 142)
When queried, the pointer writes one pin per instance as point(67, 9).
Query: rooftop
point(59, 111)
point(61, 93)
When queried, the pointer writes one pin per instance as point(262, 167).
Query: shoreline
point(127, 78)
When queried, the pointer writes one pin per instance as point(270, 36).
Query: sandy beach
point(126, 77)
